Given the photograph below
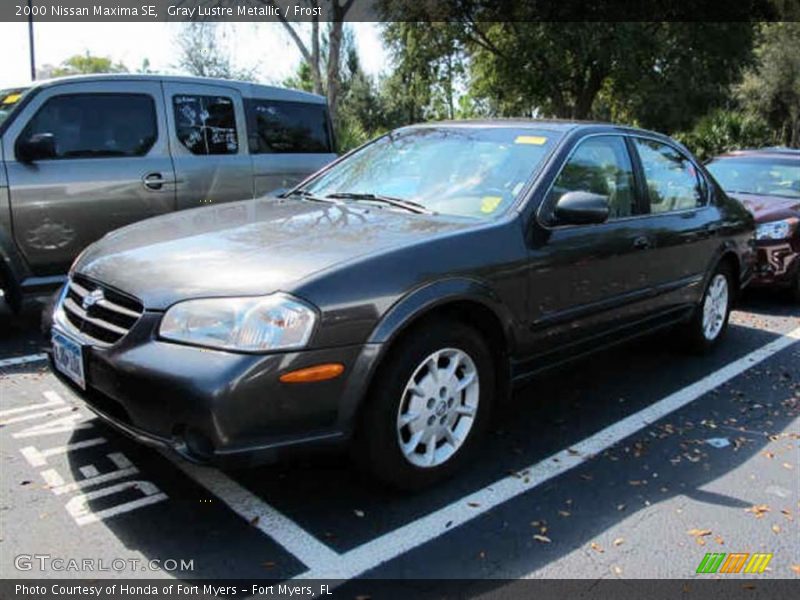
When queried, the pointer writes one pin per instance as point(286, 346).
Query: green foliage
point(203, 52)
point(84, 64)
point(725, 130)
point(771, 88)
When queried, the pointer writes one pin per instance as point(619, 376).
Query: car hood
point(247, 248)
point(769, 208)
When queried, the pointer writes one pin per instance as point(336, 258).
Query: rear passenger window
point(288, 127)
point(600, 165)
point(672, 180)
point(206, 124)
point(97, 125)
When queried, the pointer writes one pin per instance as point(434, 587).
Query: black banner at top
point(398, 10)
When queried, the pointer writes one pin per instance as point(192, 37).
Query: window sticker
point(11, 98)
point(536, 140)
point(489, 204)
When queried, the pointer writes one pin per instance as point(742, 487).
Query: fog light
point(316, 373)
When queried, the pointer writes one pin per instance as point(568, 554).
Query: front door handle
point(155, 181)
point(642, 243)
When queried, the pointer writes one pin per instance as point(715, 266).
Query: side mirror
point(39, 146)
point(581, 208)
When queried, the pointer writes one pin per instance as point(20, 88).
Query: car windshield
point(763, 176)
point(466, 171)
point(9, 100)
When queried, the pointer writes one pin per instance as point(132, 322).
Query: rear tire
point(429, 406)
point(794, 293)
point(709, 322)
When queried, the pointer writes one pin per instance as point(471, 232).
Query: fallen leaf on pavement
point(542, 538)
point(619, 541)
point(795, 568)
point(787, 466)
point(699, 532)
point(474, 504)
point(255, 520)
point(758, 510)
point(776, 528)
point(564, 513)
point(596, 547)
point(617, 570)
point(719, 540)
point(359, 513)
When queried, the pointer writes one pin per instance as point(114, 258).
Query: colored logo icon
point(743, 562)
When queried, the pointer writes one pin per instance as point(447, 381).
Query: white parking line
point(296, 540)
point(22, 360)
point(391, 545)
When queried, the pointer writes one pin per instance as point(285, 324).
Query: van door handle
point(642, 243)
point(155, 181)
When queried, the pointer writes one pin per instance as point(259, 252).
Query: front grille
point(105, 317)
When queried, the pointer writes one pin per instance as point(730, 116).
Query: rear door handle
point(155, 181)
point(642, 243)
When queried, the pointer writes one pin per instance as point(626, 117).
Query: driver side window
point(600, 165)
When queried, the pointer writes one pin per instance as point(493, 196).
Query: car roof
point(562, 125)
point(247, 89)
point(772, 152)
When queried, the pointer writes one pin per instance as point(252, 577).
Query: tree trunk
point(334, 51)
point(316, 72)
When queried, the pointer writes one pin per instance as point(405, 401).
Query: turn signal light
point(316, 373)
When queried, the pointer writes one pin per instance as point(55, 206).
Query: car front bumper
point(216, 407)
point(778, 262)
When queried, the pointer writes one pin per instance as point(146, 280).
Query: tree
point(532, 59)
point(771, 88)
point(726, 130)
point(202, 52)
point(82, 64)
point(328, 84)
point(429, 66)
point(656, 74)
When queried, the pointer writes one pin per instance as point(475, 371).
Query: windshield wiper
point(408, 205)
point(305, 194)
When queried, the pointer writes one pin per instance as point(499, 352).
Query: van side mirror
point(40, 146)
point(581, 208)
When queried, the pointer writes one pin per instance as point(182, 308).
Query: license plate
point(68, 357)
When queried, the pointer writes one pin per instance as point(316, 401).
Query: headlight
point(260, 324)
point(776, 230)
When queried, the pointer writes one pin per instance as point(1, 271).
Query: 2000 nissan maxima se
point(397, 295)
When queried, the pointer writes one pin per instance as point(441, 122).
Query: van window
point(206, 124)
point(97, 125)
point(287, 127)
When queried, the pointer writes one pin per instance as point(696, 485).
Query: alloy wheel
point(438, 408)
point(715, 306)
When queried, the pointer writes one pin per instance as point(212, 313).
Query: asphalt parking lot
point(632, 464)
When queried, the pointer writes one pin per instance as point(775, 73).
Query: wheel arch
point(466, 300)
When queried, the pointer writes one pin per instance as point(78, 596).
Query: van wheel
point(710, 319)
point(429, 406)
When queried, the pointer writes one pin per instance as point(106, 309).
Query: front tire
point(710, 319)
point(429, 405)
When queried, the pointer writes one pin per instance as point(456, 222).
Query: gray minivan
point(84, 155)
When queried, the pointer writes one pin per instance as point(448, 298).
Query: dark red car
point(767, 182)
